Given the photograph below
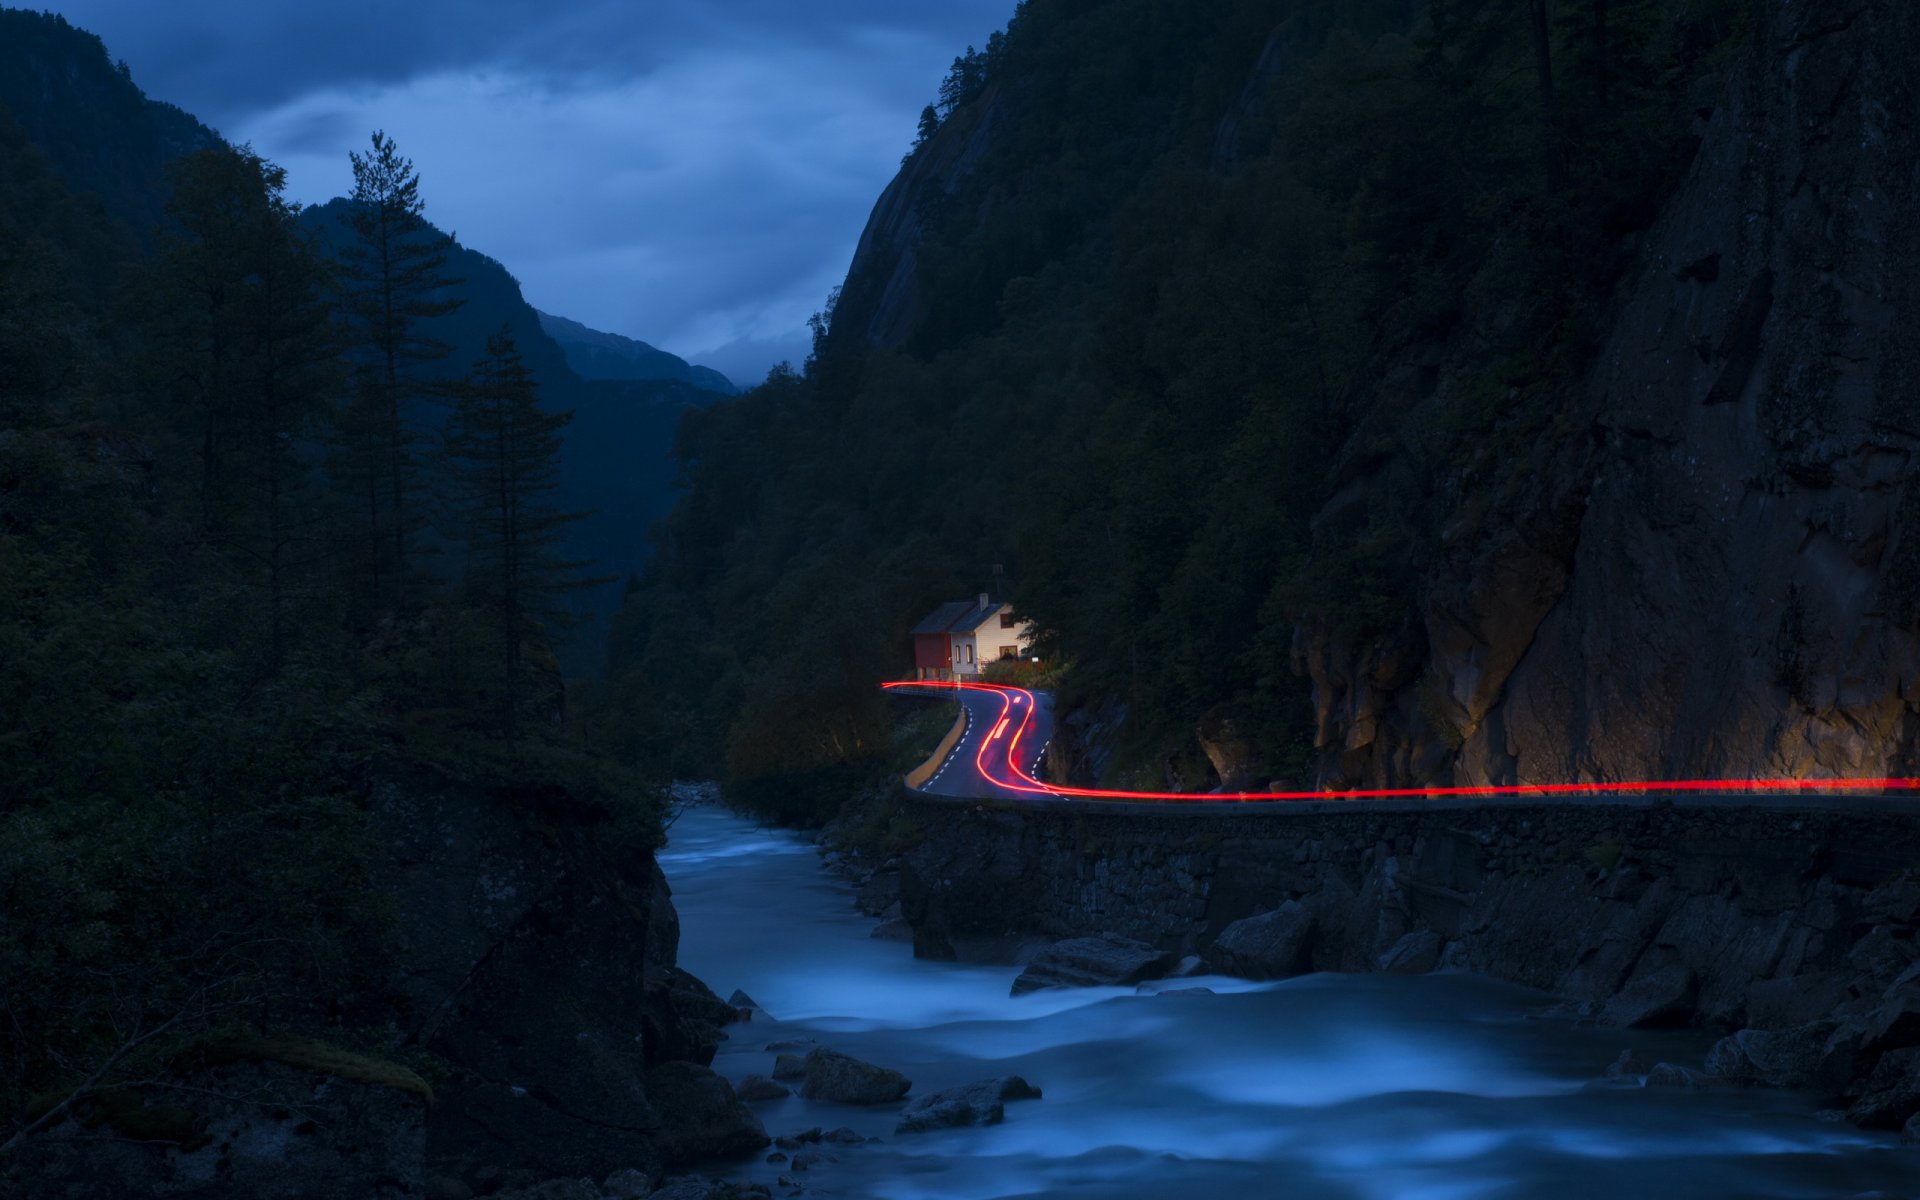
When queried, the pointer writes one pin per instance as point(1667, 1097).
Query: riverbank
point(1789, 926)
point(1343, 1087)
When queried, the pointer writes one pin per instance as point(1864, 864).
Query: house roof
point(943, 619)
point(975, 616)
point(959, 616)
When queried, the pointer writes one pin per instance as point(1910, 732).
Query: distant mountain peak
point(596, 354)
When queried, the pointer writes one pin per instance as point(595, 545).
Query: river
point(1441, 1087)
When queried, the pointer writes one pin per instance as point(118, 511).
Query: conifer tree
point(929, 125)
point(243, 342)
point(504, 456)
point(396, 279)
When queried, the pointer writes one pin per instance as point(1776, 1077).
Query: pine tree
point(929, 125)
point(964, 80)
point(293, 374)
point(504, 457)
point(241, 340)
point(396, 274)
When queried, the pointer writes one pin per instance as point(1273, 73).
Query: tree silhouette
point(396, 280)
point(504, 458)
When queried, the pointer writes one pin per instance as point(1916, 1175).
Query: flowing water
point(1442, 1087)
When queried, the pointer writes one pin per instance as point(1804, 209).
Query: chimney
point(983, 602)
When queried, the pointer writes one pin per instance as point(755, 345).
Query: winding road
point(998, 757)
point(1009, 729)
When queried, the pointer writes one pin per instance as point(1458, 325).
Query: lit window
point(1009, 652)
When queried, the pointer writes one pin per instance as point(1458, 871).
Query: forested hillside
point(1276, 348)
point(250, 566)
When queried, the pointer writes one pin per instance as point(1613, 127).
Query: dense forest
point(270, 526)
point(1122, 324)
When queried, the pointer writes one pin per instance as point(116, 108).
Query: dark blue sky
point(693, 173)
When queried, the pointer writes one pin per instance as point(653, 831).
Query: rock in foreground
point(1104, 961)
point(700, 1115)
point(844, 1079)
point(970, 1104)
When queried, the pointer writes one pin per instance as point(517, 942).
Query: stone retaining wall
point(1776, 914)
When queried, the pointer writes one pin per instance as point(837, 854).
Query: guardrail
point(920, 774)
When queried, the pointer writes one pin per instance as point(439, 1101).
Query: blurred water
point(1445, 1087)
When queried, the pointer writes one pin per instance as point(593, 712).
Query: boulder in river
point(1628, 1068)
point(1672, 1075)
point(1272, 945)
point(1658, 998)
point(700, 1115)
point(1105, 961)
point(759, 1087)
point(698, 1187)
point(627, 1184)
point(844, 1079)
point(790, 1066)
point(970, 1104)
point(556, 1189)
point(1416, 953)
point(1892, 1097)
point(1817, 1056)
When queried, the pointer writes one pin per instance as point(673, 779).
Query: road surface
point(999, 755)
point(1009, 729)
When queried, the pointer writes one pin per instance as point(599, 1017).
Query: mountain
point(616, 464)
point(1352, 389)
point(84, 112)
point(596, 355)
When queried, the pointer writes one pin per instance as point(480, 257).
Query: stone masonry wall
point(1780, 915)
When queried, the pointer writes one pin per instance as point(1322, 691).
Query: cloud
point(691, 172)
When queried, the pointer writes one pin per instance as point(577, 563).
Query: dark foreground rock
point(1104, 961)
point(700, 1116)
point(843, 1079)
point(258, 1130)
point(980, 1103)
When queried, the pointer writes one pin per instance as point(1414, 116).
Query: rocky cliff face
point(880, 297)
point(1713, 566)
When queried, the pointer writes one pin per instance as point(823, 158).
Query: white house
point(958, 639)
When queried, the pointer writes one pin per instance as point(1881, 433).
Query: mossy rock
point(320, 1058)
point(128, 1114)
point(1606, 854)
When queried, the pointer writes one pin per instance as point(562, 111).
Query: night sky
point(693, 173)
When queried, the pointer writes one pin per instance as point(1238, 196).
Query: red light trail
point(1003, 770)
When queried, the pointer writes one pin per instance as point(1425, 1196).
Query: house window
point(1009, 652)
point(1007, 621)
point(968, 651)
